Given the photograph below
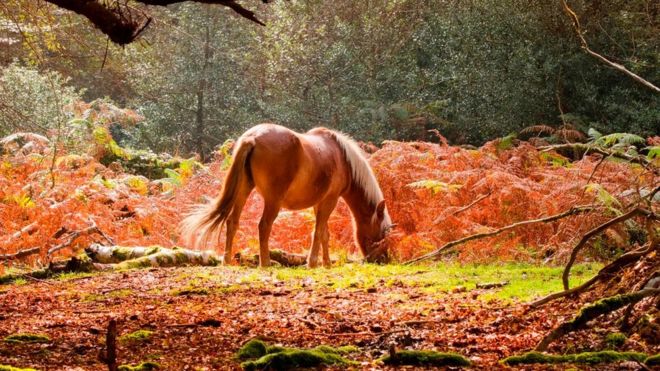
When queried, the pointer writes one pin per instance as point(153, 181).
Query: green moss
point(252, 349)
point(144, 366)
point(138, 336)
point(534, 357)
point(425, 358)
point(653, 360)
point(191, 290)
point(11, 368)
point(606, 356)
point(295, 358)
point(27, 338)
point(615, 340)
point(121, 254)
point(283, 358)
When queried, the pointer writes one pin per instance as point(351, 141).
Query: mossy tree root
point(592, 311)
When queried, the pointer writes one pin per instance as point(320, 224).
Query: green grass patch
point(605, 356)
point(526, 281)
point(136, 337)
point(424, 358)
point(27, 338)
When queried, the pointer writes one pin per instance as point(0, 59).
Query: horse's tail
point(209, 218)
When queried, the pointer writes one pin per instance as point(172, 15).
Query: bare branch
point(438, 252)
point(122, 29)
point(585, 47)
point(20, 254)
point(634, 212)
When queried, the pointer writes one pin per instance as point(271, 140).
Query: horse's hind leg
point(321, 234)
point(242, 194)
point(271, 210)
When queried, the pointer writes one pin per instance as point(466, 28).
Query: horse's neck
point(361, 208)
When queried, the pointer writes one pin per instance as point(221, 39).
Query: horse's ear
point(380, 209)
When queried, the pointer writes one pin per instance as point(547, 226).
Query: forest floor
point(196, 318)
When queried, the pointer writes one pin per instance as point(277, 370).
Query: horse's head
point(371, 235)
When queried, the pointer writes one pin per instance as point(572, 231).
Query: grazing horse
point(296, 171)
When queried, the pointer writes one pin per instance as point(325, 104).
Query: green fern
point(605, 198)
point(654, 152)
point(619, 140)
point(435, 186)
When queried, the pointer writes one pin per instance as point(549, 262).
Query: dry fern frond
point(538, 130)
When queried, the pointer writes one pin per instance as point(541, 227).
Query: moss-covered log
point(592, 311)
point(424, 358)
point(259, 356)
point(591, 358)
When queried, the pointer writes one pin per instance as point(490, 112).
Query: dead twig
point(572, 211)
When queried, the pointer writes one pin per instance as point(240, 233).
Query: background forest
point(473, 69)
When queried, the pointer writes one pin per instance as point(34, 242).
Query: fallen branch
point(74, 235)
point(572, 211)
point(607, 271)
point(634, 212)
point(20, 254)
point(592, 311)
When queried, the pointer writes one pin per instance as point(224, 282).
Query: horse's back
point(297, 170)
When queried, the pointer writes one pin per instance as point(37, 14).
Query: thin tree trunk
point(200, 114)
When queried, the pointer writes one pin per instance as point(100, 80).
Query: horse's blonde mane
point(360, 169)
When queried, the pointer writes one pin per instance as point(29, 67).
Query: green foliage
point(604, 197)
point(425, 358)
point(32, 100)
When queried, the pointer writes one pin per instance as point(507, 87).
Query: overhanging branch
point(123, 25)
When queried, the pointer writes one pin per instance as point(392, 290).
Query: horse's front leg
point(265, 225)
point(321, 233)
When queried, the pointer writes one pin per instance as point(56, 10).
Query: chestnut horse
point(296, 171)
